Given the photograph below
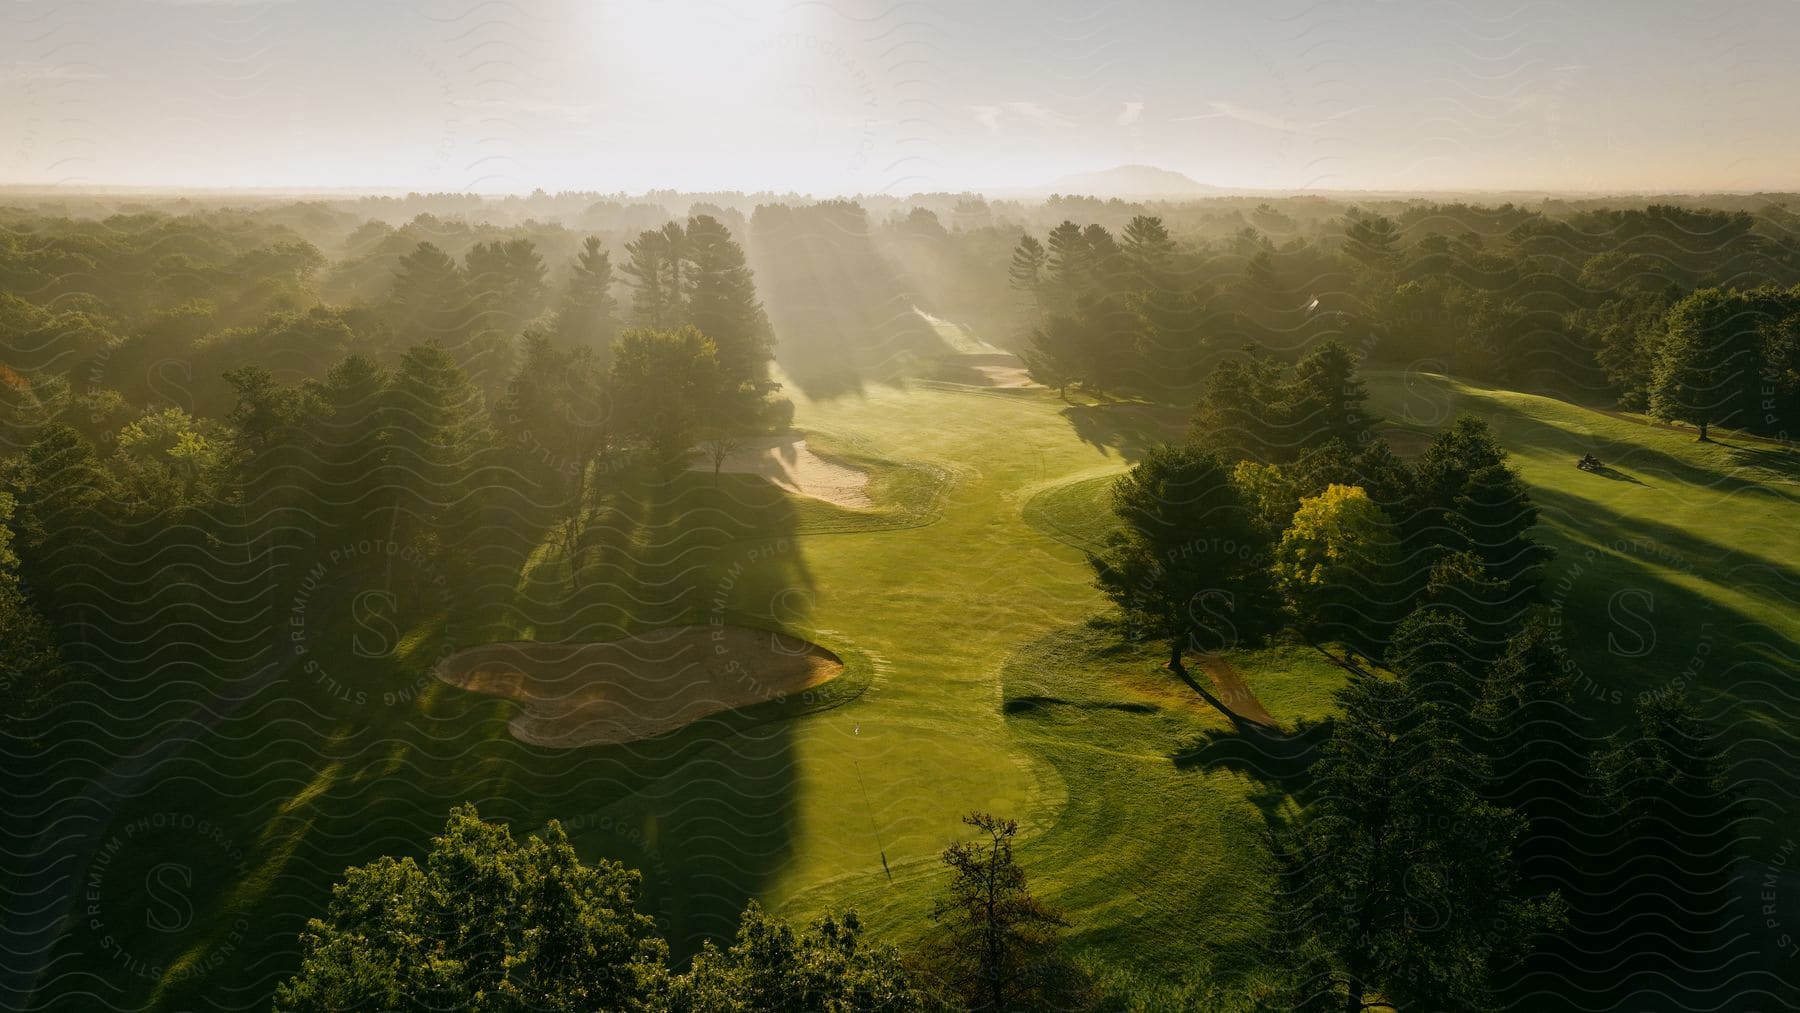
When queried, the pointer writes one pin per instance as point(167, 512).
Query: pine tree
point(1148, 250)
point(723, 303)
point(352, 435)
point(441, 440)
point(656, 273)
point(1065, 261)
point(1002, 948)
point(1189, 566)
point(505, 280)
point(1326, 398)
point(588, 314)
point(1240, 413)
point(1027, 271)
point(430, 301)
point(1671, 818)
point(1400, 872)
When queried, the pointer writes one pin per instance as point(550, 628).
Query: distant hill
point(1132, 181)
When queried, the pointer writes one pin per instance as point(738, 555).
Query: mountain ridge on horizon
point(1133, 180)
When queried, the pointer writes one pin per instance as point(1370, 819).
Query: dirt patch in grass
point(588, 694)
point(1233, 690)
point(789, 464)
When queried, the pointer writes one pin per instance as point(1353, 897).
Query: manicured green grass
point(933, 590)
point(1679, 556)
point(1077, 513)
point(962, 602)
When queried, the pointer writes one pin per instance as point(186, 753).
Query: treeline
point(189, 434)
point(487, 922)
point(1464, 839)
point(1600, 301)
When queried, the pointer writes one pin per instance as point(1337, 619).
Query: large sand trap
point(786, 461)
point(586, 694)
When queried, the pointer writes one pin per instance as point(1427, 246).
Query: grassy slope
point(995, 682)
point(1674, 569)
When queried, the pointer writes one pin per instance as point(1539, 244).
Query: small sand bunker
point(997, 369)
point(588, 694)
point(786, 461)
point(1006, 376)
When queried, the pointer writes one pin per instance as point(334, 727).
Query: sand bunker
point(786, 461)
point(996, 369)
point(587, 694)
point(1005, 376)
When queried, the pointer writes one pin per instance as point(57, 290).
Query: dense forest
point(1688, 312)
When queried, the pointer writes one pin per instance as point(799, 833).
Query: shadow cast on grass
point(304, 780)
point(1127, 429)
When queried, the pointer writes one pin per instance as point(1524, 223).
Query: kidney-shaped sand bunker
point(586, 694)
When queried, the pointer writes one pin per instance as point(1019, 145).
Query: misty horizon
point(854, 98)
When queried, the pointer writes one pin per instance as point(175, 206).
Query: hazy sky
point(841, 96)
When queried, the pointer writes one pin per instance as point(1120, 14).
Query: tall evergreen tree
point(430, 300)
point(1467, 498)
point(1065, 261)
point(1027, 271)
point(1398, 872)
point(588, 313)
point(723, 304)
point(505, 280)
point(442, 436)
point(550, 418)
point(352, 435)
point(1189, 566)
point(1663, 873)
point(1148, 251)
point(1001, 949)
point(1326, 398)
point(1239, 413)
point(656, 271)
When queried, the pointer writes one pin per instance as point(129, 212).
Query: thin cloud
point(1256, 117)
point(51, 72)
point(1033, 113)
point(1130, 114)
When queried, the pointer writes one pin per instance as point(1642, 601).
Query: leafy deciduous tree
point(488, 923)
